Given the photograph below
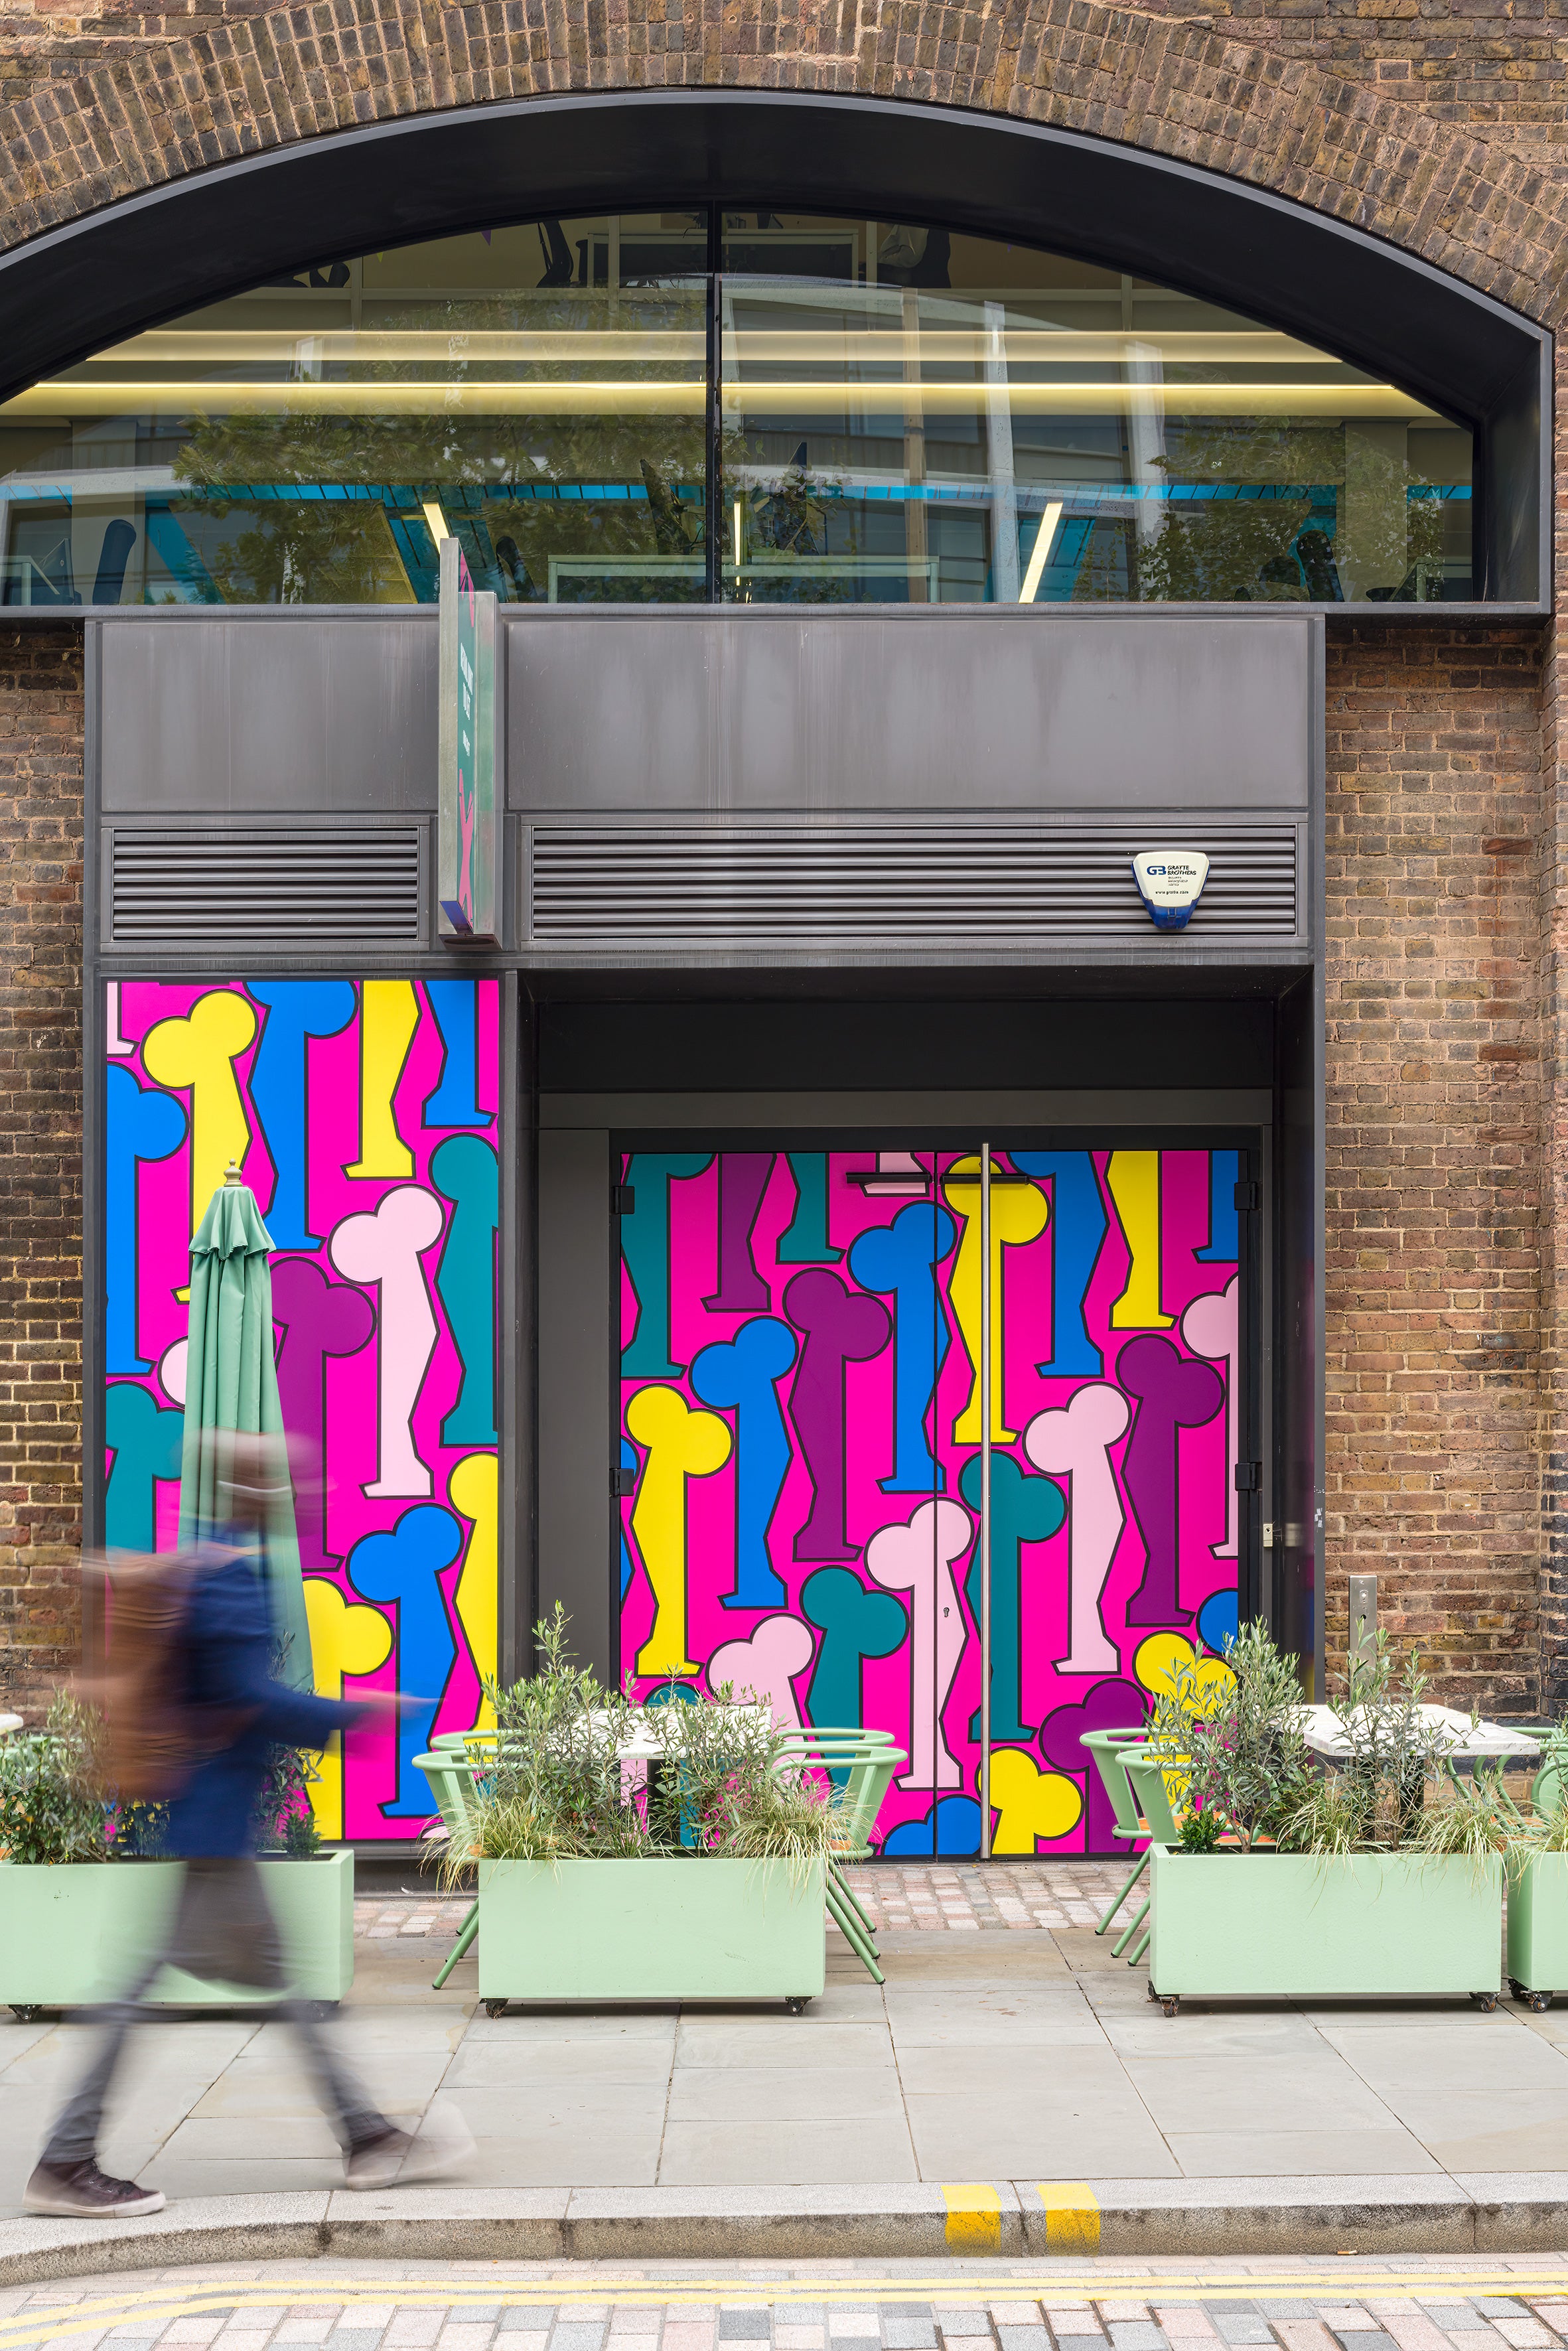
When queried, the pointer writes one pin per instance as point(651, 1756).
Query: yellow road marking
point(162, 2304)
point(974, 2219)
point(1072, 2216)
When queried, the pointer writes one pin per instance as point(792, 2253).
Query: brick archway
point(1469, 206)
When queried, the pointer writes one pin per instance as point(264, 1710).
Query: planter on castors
point(1538, 1926)
point(689, 1929)
point(69, 1933)
point(1321, 1926)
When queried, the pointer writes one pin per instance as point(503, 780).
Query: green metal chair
point(861, 1764)
point(450, 1776)
point(1147, 1774)
point(1104, 1749)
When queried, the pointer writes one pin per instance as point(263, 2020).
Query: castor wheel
point(494, 2008)
point(1170, 2002)
point(1485, 2001)
point(797, 2007)
point(322, 2009)
point(1538, 2001)
point(24, 2012)
point(1520, 1992)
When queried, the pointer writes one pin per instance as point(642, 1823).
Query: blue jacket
point(228, 1665)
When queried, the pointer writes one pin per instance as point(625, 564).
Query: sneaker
point(82, 2191)
point(398, 2158)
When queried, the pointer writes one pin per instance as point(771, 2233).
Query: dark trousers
point(224, 1931)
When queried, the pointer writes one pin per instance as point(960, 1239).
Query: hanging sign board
point(468, 861)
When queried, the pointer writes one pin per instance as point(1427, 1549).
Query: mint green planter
point(1538, 1926)
point(665, 1929)
point(1309, 1927)
point(70, 1935)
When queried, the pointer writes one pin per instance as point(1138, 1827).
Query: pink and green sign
point(365, 1117)
point(800, 1411)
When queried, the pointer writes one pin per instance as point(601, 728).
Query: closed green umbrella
point(231, 1382)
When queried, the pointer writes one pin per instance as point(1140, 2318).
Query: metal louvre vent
point(893, 883)
point(326, 882)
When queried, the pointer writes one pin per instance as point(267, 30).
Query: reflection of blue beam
point(192, 582)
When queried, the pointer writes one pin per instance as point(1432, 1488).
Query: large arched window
point(760, 406)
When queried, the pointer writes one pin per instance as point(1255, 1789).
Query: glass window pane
point(540, 390)
point(909, 414)
point(915, 415)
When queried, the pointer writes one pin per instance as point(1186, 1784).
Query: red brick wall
point(40, 1156)
point(1436, 1079)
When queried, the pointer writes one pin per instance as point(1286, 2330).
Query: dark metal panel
point(1061, 1042)
point(1001, 709)
point(1298, 1553)
point(574, 1389)
point(294, 714)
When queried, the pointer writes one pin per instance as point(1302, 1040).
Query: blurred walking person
point(211, 1716)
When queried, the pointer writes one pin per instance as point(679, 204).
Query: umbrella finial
point(231, 1173)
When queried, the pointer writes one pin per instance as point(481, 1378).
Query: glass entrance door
point(816, 1347)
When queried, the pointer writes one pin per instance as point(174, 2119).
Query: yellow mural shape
point(199, 1052)
point(473, 1491)
point(1018, 1214)
point(1161, 1657)
point(1135, 1180)
point(347, 1638)
point(681, 1443)
point(1031, 1802)
point(388, 1019)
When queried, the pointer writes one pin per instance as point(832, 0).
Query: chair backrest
point(1148, 1781)
point(1107, 1748)
point(861, 1764)
point(450, 1779)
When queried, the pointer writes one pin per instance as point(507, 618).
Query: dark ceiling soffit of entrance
point(68, 293)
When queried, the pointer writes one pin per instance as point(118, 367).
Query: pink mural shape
point(370, 1363)
point(819, 1492)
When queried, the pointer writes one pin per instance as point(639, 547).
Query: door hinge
point(1248, 1194)
point(1249, 1477)
point(623, 1199)
point(622, 1482)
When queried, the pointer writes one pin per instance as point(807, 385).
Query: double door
point(905, 1430)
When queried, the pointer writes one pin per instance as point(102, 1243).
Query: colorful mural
point(801, 1338)
point(364, 1115)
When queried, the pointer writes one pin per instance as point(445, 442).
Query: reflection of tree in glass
point(314, 551)
point(802, 518)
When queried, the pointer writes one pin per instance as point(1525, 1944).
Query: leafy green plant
point(1477, 1818)
point(1201, 1829)
point(559, 1789)
point(51, 1807)
point(1236, 1736)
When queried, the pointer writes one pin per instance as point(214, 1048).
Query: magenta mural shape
point(802, 1404)
point(365, 1117)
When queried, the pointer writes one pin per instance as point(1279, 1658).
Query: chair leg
point(466, 1935)
point(849, 1895)
point(849, 1926)
point(1142, 1863)
point(1134, 1956)
point(1121, 1944)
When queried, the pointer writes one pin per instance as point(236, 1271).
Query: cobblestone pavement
point(1413, 2303)
point(996, 1894)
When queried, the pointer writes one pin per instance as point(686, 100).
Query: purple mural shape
point(742, 1181)
point(321, 1321)
point(1110, 1705)
point(838, 1327)
point(1173, 1392)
